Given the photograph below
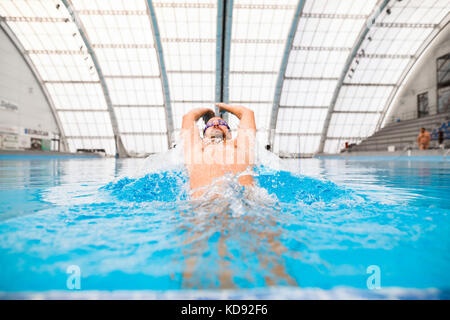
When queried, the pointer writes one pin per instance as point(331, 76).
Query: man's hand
point(238, 111)
point(247, 127)
point(189, 131)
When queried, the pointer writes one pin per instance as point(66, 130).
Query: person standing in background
point(423, 140)
point(441, 139)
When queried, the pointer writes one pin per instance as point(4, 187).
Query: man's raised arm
point(245, 115)
point(189, 132)
point(192, 116)
point(247, 128)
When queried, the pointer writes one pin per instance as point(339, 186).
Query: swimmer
point(217, 153)
point(207, 160)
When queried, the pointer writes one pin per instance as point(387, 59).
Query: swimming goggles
point(216, 123)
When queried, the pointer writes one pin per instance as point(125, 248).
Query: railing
point(410, 115)
point(376, 145)
point(446, 154)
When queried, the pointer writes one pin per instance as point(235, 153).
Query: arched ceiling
point(346, 62)
point(121, 73)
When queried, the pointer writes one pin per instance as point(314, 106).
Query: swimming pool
point(314, 228)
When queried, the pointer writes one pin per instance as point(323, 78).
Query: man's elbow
point(251, 115)
point(188, 117)
point(187, 121)
point(249, 112)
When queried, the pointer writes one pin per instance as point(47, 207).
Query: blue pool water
point(313, 224)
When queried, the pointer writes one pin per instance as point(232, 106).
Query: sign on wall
point(35, 132)
point(9, 141)
point(12, 137)
point(8, 105)
point(36, 144)
point(9, 129)
point(46, 145)
point(24, 142)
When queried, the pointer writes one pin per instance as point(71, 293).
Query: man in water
point(217, 153)
point(208, 159)
point(423, 140)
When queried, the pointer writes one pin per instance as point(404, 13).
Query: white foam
point(174, 159)
point(272, 293)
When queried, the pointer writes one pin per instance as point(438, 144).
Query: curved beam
point(223, 46)
point(366, 28)
point(281, 74)
point(163, 73)
point(219, 37)
point(226, 50)
point(411, 66)
point(120, 148)
point(16, 42)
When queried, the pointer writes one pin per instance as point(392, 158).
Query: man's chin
point(215, 137)
point(215, 140)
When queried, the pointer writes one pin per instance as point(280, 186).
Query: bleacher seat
point(404, 134)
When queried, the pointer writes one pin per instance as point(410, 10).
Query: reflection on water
point(131, 224)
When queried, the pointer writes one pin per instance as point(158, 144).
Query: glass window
point(422, 104)
point(443, 76)
point(296, 144)
point(188, 37)
point(443, 99)
point(443, 70)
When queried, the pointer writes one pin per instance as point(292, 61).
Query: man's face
point(216, 130)
point(422, 130)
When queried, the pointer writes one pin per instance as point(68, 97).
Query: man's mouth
point(216, 136)
point(217, 133)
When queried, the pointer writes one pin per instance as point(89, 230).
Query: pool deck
point(425, 155)
point(37, 154)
